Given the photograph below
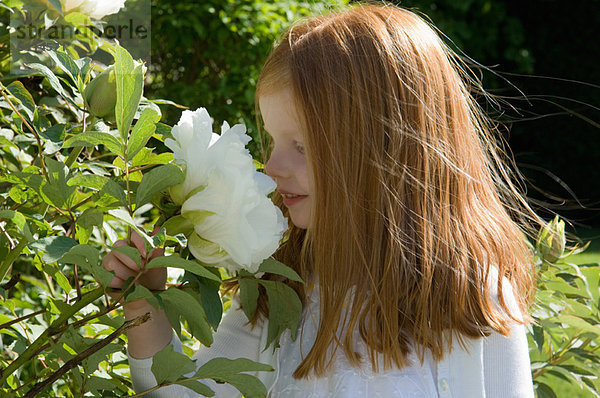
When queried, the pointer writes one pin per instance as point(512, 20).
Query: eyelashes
point(300, 148)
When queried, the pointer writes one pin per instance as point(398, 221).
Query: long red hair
point(414, 201)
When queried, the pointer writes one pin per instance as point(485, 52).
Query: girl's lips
point(292, 201)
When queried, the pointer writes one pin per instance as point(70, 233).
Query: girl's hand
point(125, 268)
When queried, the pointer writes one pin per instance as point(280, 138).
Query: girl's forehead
point(279, 112)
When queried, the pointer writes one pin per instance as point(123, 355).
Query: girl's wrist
point(137, 308)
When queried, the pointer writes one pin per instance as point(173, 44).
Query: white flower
point(96, 9)
point(235, 224)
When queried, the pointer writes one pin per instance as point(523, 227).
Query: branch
point(10, 241)
point(7, 324)
point(76, 360)
point(12, 282)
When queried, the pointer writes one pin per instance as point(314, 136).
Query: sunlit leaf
point(142, 131)
point(157, 180)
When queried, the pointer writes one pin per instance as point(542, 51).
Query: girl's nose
point(275, 166)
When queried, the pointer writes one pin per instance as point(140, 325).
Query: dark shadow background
point(543, 59)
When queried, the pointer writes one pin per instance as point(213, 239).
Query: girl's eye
point(299, 148)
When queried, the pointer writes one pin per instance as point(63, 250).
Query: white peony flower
point(235, 224)
point(96, 9)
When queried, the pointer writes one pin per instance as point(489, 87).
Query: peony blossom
point(235, 224)
point(96, 9)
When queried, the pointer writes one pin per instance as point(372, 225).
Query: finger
point(127, 261)
point(120, 271)
point(138, 242)
point(159, 251)
point(119, 243)
point(116, 282)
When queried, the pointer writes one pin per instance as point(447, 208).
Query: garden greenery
point(82, 163)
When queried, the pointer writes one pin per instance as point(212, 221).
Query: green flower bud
point(100, 95)
point(551, 240)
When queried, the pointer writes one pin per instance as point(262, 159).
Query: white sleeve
point(506, 363)
point(233, 339)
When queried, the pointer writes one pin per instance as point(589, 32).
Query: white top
point(491, 367)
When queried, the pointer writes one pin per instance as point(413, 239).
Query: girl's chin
point(299, 223)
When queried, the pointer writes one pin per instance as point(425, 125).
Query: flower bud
point(100, 95)
point(551, 240)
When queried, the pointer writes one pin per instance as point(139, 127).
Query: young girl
point(403, 224)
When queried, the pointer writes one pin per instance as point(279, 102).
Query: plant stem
point(63, 317)
point(73, 362)
point(50, 285)
point(73, 156)
point(10, 241)
point(24, 317)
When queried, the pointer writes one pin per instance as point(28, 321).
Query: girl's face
point(288, 164)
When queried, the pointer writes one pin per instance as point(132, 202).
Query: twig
point(24, 317)
point(10, 241)
point(76, 360)
point(12, 282)
point(85, 320)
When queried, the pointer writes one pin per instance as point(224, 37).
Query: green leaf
point(544, 391)
point(578, 323)
point(145, 156)
point(123, 215)
point(53, 137)
point(538, 337)
point(285, 309)
point(198, 387)
point(179, 303)
point(130, 83)
point(99, 386)
point(19, 91)
point(93, 138)
point(62, 281)
point(228, 371)
point(90, 218)
point(17, 218)
point(178, 262)
point(272, 266)
point(209, 298)
point(139, 292)
point(88, 258)
point(248, 296)
point(168, 365)
point(53, 247)
point(66, 64)
point(130, 252)
point(90, 364)
point(178, 225)
point(51, 77)
point(55, 190)
point(156, 180)
point(104, 185)
point(142, 131)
